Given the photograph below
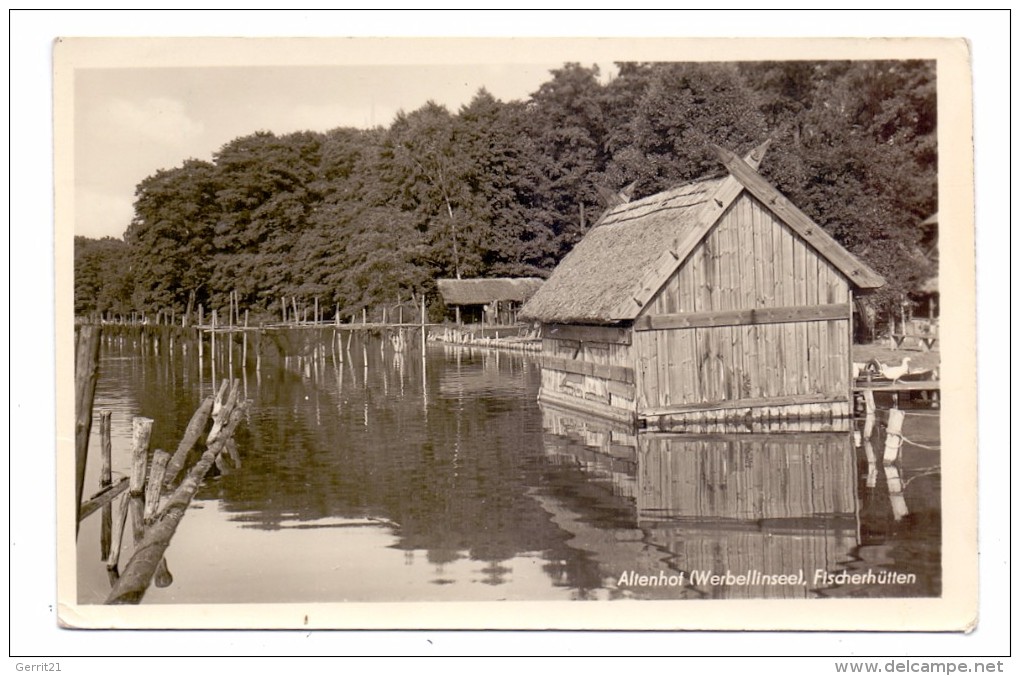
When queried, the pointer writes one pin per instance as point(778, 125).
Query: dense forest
point(355, 218)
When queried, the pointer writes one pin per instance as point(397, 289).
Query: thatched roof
point(484, 291)
point(599, 275)
point(615, 270)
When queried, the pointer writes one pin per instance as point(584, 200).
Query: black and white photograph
point(658, 334)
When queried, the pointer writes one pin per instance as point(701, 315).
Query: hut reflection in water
point(752, 504)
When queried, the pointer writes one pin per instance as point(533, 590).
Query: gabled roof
point(619, 265)
point(483, 291)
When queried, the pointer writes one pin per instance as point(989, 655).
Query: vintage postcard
point(516, 334)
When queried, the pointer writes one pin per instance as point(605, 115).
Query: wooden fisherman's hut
point(716, 301)
point(488, 301)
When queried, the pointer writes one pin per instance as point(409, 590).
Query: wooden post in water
point(105, 480)
point(106, 469)
point(896, 499)
point(154, 487)
point(893, 436)
point(258, 350)
point(212, 348)
point(244, 343)
point(113, 557)
point(198, 334)
point(86, 373)
point(424, 380)
point(141, 431)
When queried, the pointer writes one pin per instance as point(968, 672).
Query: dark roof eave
point(584, 321)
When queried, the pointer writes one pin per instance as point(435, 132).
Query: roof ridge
point(662, 196)
point(652, 211)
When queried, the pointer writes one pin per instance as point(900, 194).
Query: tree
point(858, 152)
point(422, 162)
point(681, 109)
point(102, 283)
point(170, 237)
point(508, 188)
point(500, 178)
point(567, 124)
point(264, 202)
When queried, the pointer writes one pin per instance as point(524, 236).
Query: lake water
point(391, 477)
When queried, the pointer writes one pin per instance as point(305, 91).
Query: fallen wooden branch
point(149, 552)
point(103, 497)
point(191, 436)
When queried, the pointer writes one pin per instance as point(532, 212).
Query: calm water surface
point(393, 478)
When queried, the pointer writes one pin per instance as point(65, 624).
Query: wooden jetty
point(865, 391)
point(717, 300)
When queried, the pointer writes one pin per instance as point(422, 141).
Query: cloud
point(156, 119)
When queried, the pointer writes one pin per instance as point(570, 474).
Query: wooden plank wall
point(586, 387)
point(746, 477)
point(740, 551)
point(769, 503)
point(750, 260)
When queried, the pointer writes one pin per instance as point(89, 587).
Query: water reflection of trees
point(453, 475)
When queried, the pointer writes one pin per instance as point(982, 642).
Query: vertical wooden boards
point(749, 261)
point(798, 362)
point(646, 376)
point(771, 262)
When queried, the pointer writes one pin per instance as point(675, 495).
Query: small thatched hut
point(717, 300)
point(488, 301)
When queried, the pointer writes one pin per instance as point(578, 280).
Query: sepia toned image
point(515, 334)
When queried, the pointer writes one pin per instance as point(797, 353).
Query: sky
point(131, 122)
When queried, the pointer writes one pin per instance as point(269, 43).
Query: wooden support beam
point(623, 374)
point(603, 412)
point(103, 497)
point(765, 402)
point(587, 333)
point(771, 315)
point(792, 437)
